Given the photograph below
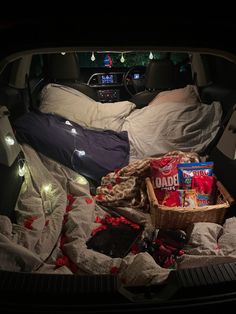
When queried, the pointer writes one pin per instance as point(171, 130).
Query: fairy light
point(122, 59)
point(73, 131)
point(22, 167)
point(68, 123)
point(80, 152)
point(47, 188)
point(9, 140)
point(93, 57)
point(81, 180)
point(150, 55)
point(21, 170)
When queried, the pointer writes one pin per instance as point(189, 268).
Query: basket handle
point(225, 193)
point(150, 191)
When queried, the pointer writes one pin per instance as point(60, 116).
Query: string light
point(150, 55)
point(9, 140)
point(21, 170)
point(81, 180)
point(93, 57)
point(47, 188)
point(21, 167)
point(122, 59)
point(73, 131)
point(68, 123)
point(80, 152)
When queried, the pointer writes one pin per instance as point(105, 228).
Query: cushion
point(157, 129)
point(75, 106)
point(187, 95)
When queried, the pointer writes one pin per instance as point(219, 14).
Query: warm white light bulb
point(63, 53)
point(93, 57)
point(47, 188)
point(81, 180)
point(122, 59)
point(150, 55)
point(73, 131)
point(21, 170)
point(68, 122)
point(81, 152)
point(9, 140)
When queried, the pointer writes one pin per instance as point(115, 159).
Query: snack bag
point(171, 199)
point(190, 198)
point(164, 176)
point(205, 189)
point(189, 170)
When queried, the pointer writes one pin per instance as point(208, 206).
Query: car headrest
point(63, 67)
point(160, 75)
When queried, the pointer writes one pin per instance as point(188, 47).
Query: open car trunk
point(77, 232)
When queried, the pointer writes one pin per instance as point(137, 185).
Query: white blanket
point(158, 129)
point(34, 244)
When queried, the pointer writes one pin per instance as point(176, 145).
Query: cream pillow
point(77, 107)
point(187, 95)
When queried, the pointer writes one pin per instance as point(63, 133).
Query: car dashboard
point(109, 85)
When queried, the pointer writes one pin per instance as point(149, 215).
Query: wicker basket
point(181, 217)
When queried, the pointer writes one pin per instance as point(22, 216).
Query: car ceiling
point(123, 32)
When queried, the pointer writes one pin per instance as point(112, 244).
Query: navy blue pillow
point(92, 153)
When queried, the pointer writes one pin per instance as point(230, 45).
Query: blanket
point(55, 218)
point(158, 129)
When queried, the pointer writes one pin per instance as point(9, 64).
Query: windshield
point(125, 59)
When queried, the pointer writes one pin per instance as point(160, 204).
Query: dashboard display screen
point(108, 79)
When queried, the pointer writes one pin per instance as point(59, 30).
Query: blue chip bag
point(188, 170)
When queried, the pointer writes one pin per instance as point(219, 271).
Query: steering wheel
point(133, 79)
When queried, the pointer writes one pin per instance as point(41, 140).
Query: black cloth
point(115, 241)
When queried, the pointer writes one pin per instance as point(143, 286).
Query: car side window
point(6, 74)
point(37, 67)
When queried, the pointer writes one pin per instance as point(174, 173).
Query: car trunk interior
point(75, 221)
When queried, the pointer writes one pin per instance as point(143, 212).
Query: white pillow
point(76, 106)
point(187, 95)
point(156, 130)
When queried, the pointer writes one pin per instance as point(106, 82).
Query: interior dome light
point(9, 140)
point(93, 57)
point(150, 55)
point(122, 59)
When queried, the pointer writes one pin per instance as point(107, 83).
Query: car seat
point(160, 75)
point(64, 69)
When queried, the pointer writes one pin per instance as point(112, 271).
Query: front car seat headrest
point(160, 75)
point(63, 67)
